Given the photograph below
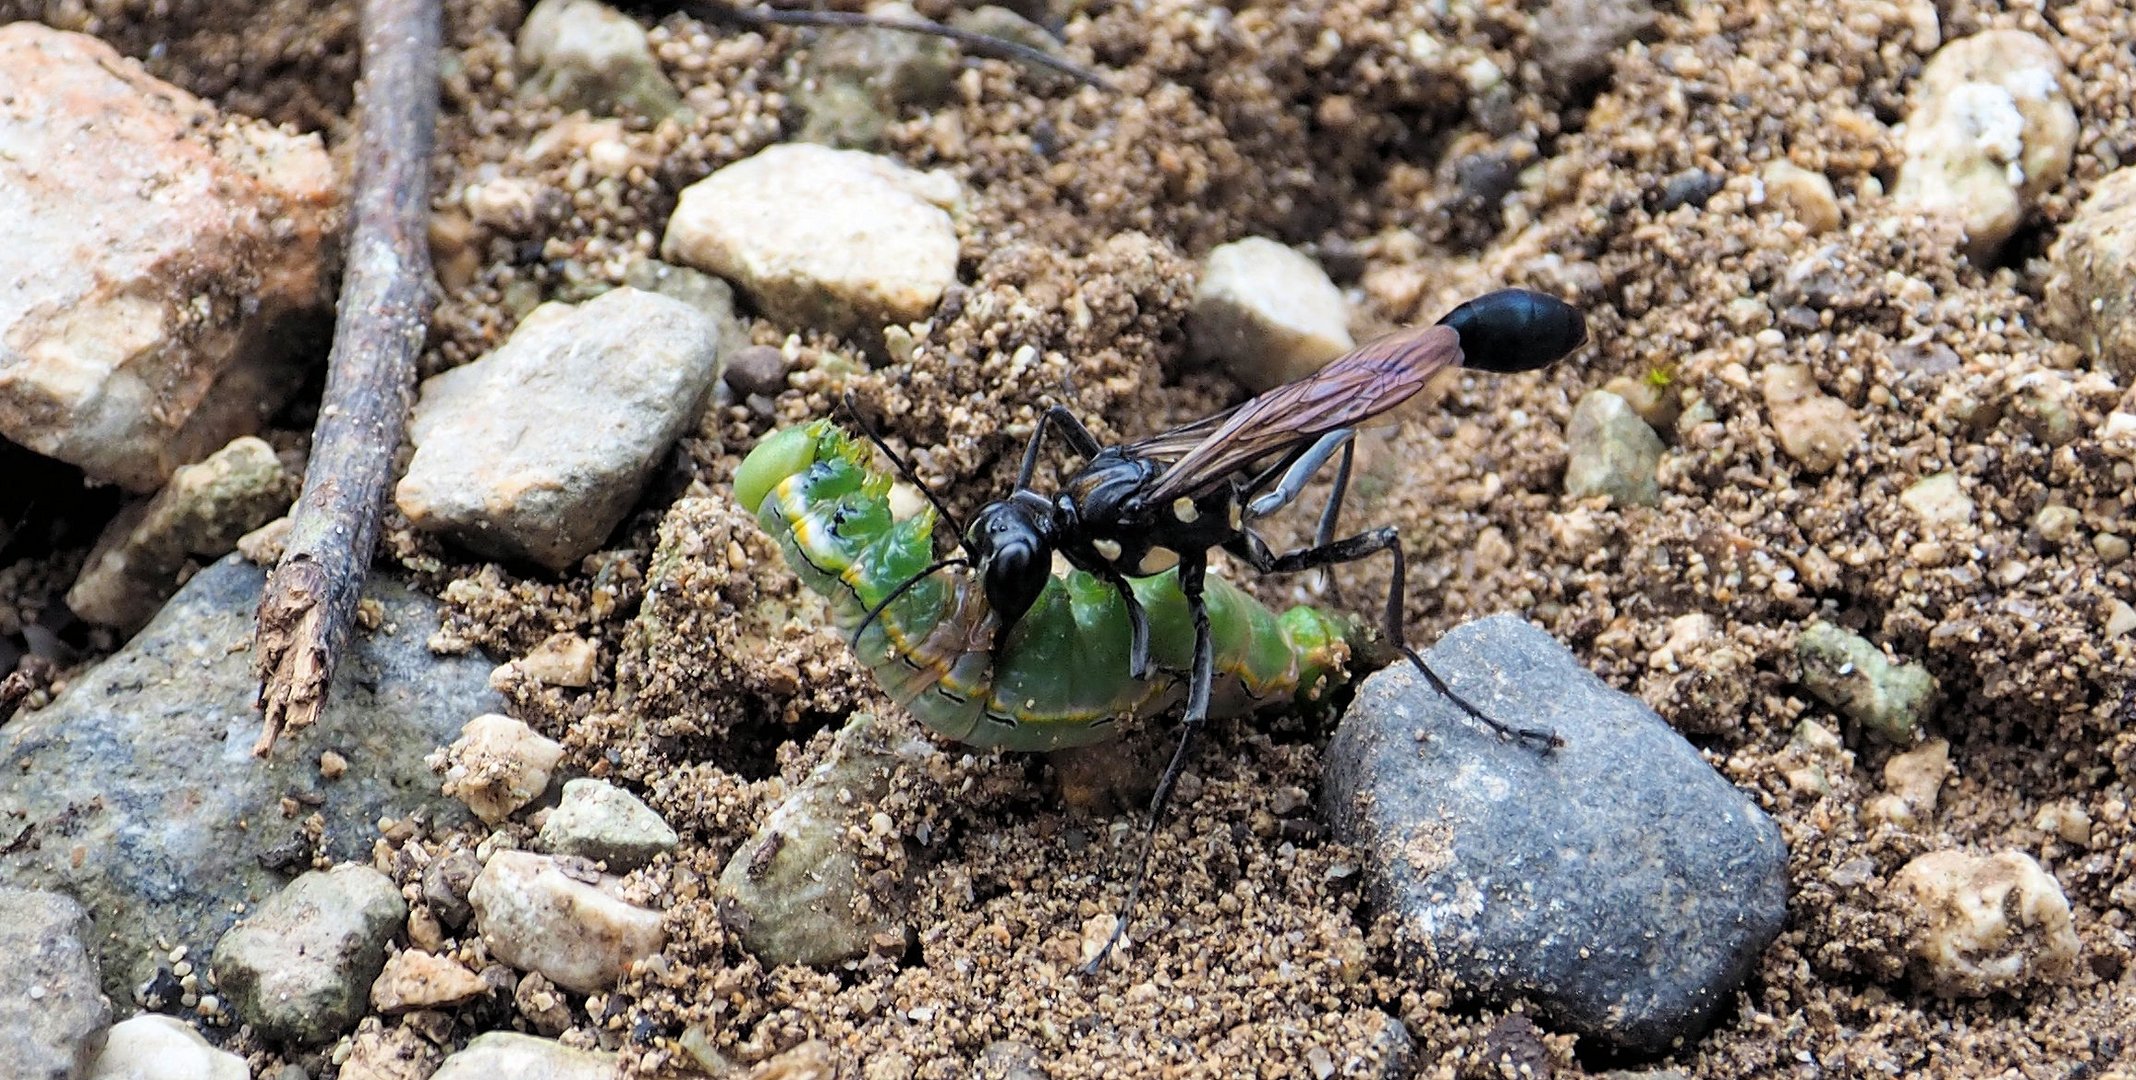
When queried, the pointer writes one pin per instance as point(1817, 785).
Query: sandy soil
point(1088, 211)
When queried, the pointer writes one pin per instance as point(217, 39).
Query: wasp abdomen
point(1516, 330)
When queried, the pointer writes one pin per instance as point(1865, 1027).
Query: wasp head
point(1011, 542)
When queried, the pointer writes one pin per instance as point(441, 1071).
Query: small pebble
point(1803, 195)
point(413, 979)
point(758, 369)
point(153, 1047)
point(599, 821)
point(1817, 430)
point(835, 240)
point(569, 923)
point(1611, 452)
point(2091, 291)
point(1988, 132)
point(496, 1055)
point(537, 450)
point(1267, 314)
point(582, 54)
point(795, 881)
point(1847, 672)
point(1983, 924)
point(1938, 500)
point(54, 1014)
point(498, 765)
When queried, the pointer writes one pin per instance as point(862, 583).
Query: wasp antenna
point(867, 427)
point(902, 588)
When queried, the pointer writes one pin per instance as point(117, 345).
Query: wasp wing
point(1353, 388)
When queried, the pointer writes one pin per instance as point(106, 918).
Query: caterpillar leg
point(1190, 584)
point(1364, 545)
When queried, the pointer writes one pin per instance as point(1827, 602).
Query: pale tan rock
point(564, 659)
point(1266, 314)
point(1938, 500)
point(163, 1048)
point(1815, 429)
point(1980, 924)
point(378, 1052)
point(1912, 782)
point(834, 240)
point(160, 261)
point(1803, 195)
point(573, 927)
point(498, 765)
point(1989, 131)
point(2091, 294)
point(498, 1054)
point(202, 513)
point(414, 979)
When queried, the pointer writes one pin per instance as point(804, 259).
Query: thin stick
point(986, 45)
point(384, 310)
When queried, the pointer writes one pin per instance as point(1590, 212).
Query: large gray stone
point(1616, 881)
point(298, 969)
point(137, 793)
point(538, 450)
point(52, 1018)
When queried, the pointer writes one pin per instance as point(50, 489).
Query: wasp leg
point(1364, 545)
point(1297, 470)
point(1190, 583)
point(867, 427)
point(1079, 439)
point(1138, 628)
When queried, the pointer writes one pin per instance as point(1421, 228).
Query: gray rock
point(153, 1047)
point(1611, 452)
point(201, 513)
point(52, 1017)
point(1849, 673)
point(599, 821)
point(581, 54)
point(793, 890)
point(446, 882)
point(2091, 295)
point(1616, 881)
point(523, 1057)
point(860, 80)
point(162, 261)
point(129, 790)
point(538, 450)
point(300, 968)
point(1581, 37)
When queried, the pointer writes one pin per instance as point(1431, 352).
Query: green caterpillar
point(1060, 677)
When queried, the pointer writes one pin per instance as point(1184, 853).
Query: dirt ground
point(1420, 183)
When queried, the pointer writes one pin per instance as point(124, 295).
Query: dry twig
point(384, 310)
point(979, 44)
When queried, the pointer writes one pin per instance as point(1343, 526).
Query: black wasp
point(1147, 506)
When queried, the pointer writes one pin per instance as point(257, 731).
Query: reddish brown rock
point(159, 258)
